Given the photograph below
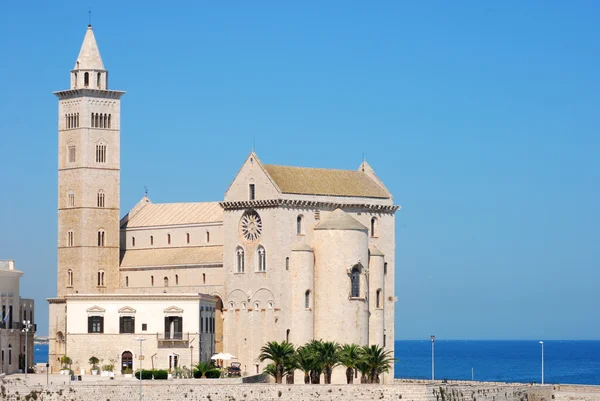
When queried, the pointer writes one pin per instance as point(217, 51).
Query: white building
point(14, 311)
point(291, 253)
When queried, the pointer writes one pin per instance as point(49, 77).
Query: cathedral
point(290, 253)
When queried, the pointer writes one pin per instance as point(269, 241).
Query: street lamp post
point(432, 358)
point(26, 327)
point(141, 340)
point(541, 342)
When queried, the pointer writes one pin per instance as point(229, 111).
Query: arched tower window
point(152, 281)
point(385, 268)
point(177, 279)
point(307, 299)
point(109, 121)
point(262, 259)
point(98, 84)
point(355, 282)
point(86, 79)
point(166, 280)
point(132, 241)
point(169, 239)
point(203, 278)
point(70, 238)
point(126, 281)
point(373, 226)
point(287, 263)
point(71, 198)
point(152, 240)
point(207, 237)
point(70, 278)
point(378, 298)
point(71, 153)
point(100, 200)
point(100, 237)
point(100, 278)
point(240, 259)
point(101, 153)
point(187, 238)
point(299, 227)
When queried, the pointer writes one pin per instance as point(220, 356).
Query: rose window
point(251, 225)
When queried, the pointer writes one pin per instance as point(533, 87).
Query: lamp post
point(541, 342)
point(26, 327)
point(432, 358)
point(141, 340)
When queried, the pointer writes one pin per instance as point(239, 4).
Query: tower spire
point(89, 55)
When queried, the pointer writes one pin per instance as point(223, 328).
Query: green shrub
point(161, 375)
point(213, 374)
point(146, 374)
point(197, 374)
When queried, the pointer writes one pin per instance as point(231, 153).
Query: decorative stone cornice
point(129, 297)
point(294, 203)
point(69, 93)
point(56, 300)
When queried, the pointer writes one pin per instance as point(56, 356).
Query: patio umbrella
point(227, 356)
point(217, 356)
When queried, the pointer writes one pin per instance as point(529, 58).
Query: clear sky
point(481, 118)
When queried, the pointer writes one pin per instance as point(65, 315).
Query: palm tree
point(270, 370)
point(378, 360)
point(202, 368)
point(304, 360)
point(327, 352)
point(289, 368)
point(279, 354)
point(349, 356)
point(363, 367)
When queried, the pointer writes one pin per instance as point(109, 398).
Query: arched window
point(307, 299)
point(100, 237)
point(169, 239)
point(75, 85)
point(100, 153)
point(373, 226)
point(109, 121)
point(240, 259)
point(355, 282)
point(132, 241)
point(71, 198)
point(177, 279)
point(203, 278)
point(152, 281)
point(105, 121)
point(70, 278)
point(385, 268)
point(92, 120)
point(70, 238)
point(100, 200)
point(231, 306)
point(262, 259)
point(378, 298)
point(86, 79)
point(100, 278)
point(257, 306)
point(244, 306)
point(207, 237)
point(126, 281)
point(287, 335)
point(299, 225)
point(152, 240)
point(287, 263)
point(71, 153)
point(166, 280)
point(98, 82)
point(97, 121)
point(187, 237)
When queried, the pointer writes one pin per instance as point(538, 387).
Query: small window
point(207, 237)
point(152, 281)
point(257, 306)
point(240, 259)
point(373, 226)
point(71, 197)
point(126, 324)
point(299, 225)
point(126, 281)
point(287, 335)
point(287, 263)
point(262, 259)
point(71, 153)
point(100, 278)
point(132, 241)
point(166, 280)
point(307, 299)
point(187, 238)
point(385, 268)
point(70, 239)
point(98, 81)
point(252, 192)
point(177, 279)
point(203, 278)
point(355, 282)
point(70, 278)
point(151, 240)
point(86, 79)
point(378, 298)
point(101, 153)
point(95, 323)
point(169, 239)
point(100, 237)
point(109, 121)
point(100, 199)
point(144, 326)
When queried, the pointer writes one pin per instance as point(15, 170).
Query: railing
point(173, 339)
point(17, 326)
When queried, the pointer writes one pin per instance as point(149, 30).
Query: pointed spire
point(89, 55)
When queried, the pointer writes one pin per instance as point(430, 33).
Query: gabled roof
point(340, 220)
point(126, 309)
point(89, 55)
point(321, 181)
point(166, 214)
point(184, 256)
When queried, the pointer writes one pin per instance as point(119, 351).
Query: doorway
point(126, 361)
point(173, 361)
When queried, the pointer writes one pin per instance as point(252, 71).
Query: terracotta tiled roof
point(166, 214)
point(196, 255)
point(321, 181)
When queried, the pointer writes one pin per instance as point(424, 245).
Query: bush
point(161, 375)
point(197, 374)
point(146, 374)
point(213, 374)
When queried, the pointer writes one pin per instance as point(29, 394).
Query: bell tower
point(88, 177)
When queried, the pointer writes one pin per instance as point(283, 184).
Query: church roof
point(321, 181)
point(184, 256)
point(167, 214)
point(89, 55)
point(340, 220)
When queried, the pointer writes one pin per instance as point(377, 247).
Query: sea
point(574, 362)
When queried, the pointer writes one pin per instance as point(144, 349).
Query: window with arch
point(109, 121)
point(169, 239)
point(287, 335)
point(203, 278)
point(299, 227)
point(355, 282)
point(71, 153)
point(70, 278)
point(126, 281)
point(239, 253)
point(177, 279)
point(100, 199)
point(252, 192)
point(244, 306)
point(207, 237)
point(152, 281)
point(385, 268)
point(100, 278)
point(70, 238)
point(166, 281)
point(187, 238)
point(257, 306)
point(132, 241)
point(373, 226)
point(101, 153)
point(152, 240)
point(75, 80)
point(231, 306)
point(270, 305)
point(287, 263)
point(262, 259)
point(307, 299)
point(71, 198)
point(98, 81)
point(86, 79)
point(100, 237)
point(378, 298)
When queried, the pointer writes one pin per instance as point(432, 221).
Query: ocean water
point(576, 362)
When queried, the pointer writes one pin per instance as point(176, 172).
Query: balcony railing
point(173, 340)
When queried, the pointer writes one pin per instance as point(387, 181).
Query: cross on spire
point(90, 16)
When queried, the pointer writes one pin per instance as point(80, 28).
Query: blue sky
point(481, 118)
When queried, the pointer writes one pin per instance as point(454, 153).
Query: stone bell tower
point(88, 177)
